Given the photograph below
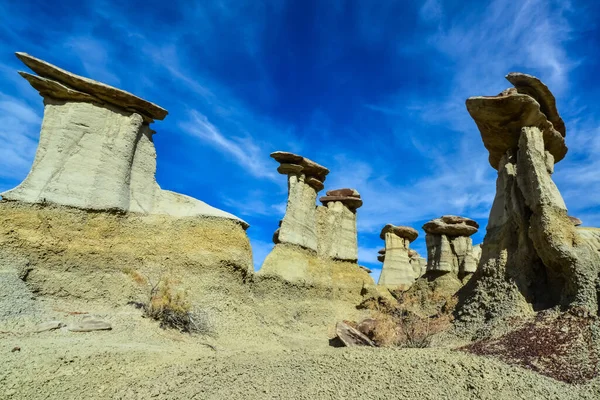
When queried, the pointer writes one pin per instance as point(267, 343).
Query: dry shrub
point(566, 348)
point(395, 324)
point(172, 308)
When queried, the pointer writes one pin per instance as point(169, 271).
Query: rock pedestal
point(316, 245)
point(401, 265)
point(336, 221)
point(449, 246)
point(533, 256)
point(305, 180)
point(96, 150)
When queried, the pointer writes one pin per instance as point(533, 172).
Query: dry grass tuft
point(171, 306)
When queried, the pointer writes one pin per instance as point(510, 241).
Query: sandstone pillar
point(397, 271)
point(337, 235)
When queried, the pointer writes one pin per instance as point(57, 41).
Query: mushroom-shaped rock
point(96, 150)
point(309, 167)
point(500, 118)
point(338, 237)
point(451, 225)
point(405, 232)
point(532, 248)
point(449, 246)
point(344, 193)
point(305, 180)
point(397, 271)
point(349, 197)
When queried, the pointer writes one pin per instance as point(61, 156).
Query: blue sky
point(374, 90)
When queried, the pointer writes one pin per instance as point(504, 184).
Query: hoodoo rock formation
point(449, 246)
point(316, 245)
point(336, 225)
point(90, 214)
point(96, 150)
point(401, 265)
point(533, 256)
point(305, 180)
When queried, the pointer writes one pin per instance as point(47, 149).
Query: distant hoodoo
point(449, 246)
point(401, 265)
point(336, 219)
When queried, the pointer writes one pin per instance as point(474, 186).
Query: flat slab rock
point(64, 83)
point(352, 337)
point(89, 325)
point(451, 225)
point(349, 201)
point(48, 326)
point(405, 232)
point(309, 167)
point(344, 193)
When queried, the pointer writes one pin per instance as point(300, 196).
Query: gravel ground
point(138, 360)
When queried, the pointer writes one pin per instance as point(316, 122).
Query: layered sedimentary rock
point(316, 245)
point(533, 256)
point(336, 225)
point(401, 265)
point(449, 246)
point(96, 150)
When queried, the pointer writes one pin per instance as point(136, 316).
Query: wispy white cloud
point(19, 127)
point(242, 150)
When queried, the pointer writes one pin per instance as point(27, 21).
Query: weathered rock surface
point(336, 220)
point(96, 150)
point(405, 232)
point(533, 257)
point(576, 221)
point(399, 268)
